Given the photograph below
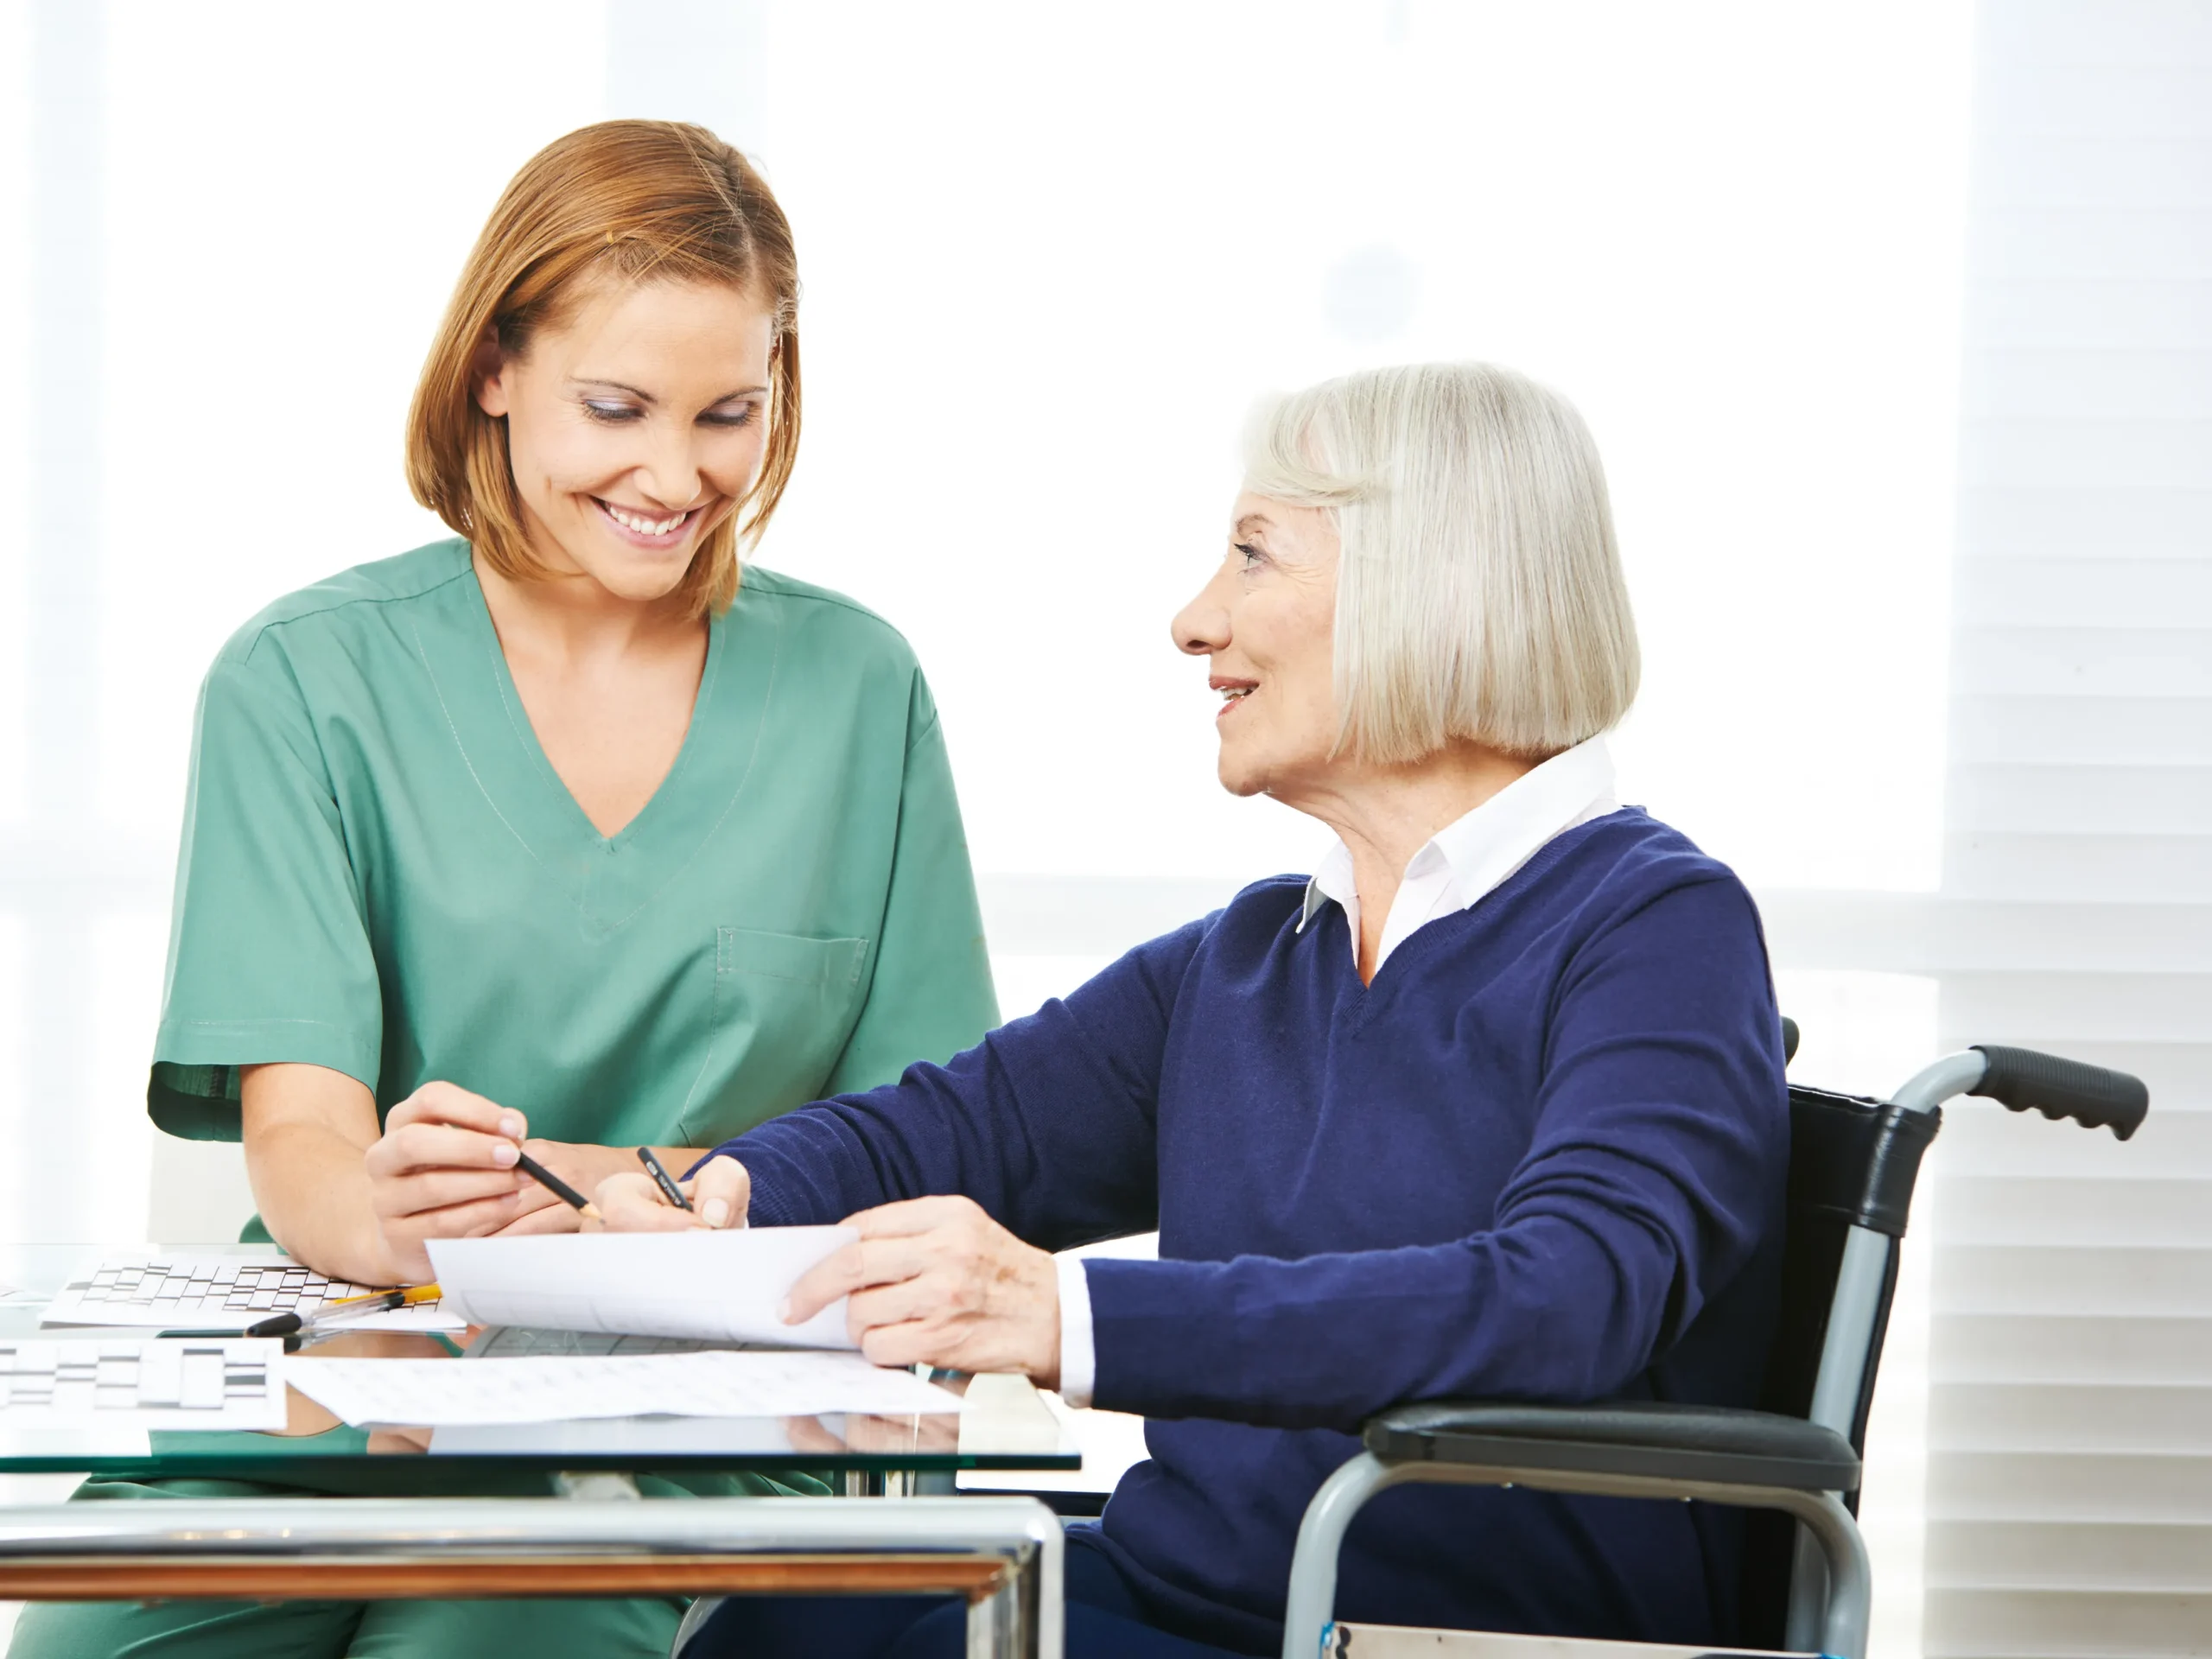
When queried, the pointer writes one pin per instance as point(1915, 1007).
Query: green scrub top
point(382, 873)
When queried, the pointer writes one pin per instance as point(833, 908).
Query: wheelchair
point(1852, 1164)
point(1806, 1586)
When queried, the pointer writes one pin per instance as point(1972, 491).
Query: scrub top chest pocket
point(785, 1005)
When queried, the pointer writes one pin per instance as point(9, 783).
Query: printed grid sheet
point(233, 1382)
point(212, 1290)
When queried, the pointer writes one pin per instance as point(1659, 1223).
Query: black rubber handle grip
point(1789, 1039)
point(2091, 1096)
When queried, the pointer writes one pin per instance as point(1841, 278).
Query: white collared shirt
point(1465, 860)
point(1472, 857)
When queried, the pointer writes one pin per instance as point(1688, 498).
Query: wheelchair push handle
point(2023, 1080)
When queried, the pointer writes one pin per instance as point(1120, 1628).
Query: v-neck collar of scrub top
point(610, 878)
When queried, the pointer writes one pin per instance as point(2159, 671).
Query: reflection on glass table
point(1005, 1425)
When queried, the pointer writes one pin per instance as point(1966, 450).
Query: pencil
point(407, 1293)
point(343, 1311)
point(553, 1184)
point(669, 1189)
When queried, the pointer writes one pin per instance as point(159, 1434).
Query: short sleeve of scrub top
point(381, 873)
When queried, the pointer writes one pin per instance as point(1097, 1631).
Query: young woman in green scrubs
point(564, 832)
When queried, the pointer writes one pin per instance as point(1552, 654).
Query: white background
point(1052, 253)
point(1051, 257)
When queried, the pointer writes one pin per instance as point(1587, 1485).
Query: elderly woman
point(1491, 1105)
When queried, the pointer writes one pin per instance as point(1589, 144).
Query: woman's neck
point(565, 618)
point(1385, 815)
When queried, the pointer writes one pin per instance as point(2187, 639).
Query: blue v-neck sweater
point(1541, 1157)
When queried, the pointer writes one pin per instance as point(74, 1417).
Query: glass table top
point(1006, 1426)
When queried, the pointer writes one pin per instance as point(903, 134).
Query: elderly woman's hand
point(720, 1193)
point(938, 1280)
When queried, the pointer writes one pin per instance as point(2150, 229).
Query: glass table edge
point(271, 1461)
point(285, 1469)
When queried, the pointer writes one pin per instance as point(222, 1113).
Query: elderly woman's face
point(1266, 621)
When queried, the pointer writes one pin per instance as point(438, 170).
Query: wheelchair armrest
point(1716, 1443)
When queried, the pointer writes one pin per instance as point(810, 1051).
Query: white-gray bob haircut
point(1479, 593)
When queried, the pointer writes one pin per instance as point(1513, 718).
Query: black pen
point(553, 1184)
point(668, 1188)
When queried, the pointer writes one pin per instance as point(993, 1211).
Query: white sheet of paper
point(207, 1289)
point(758, 1382)
point(223, 1382)
point(720, 1286)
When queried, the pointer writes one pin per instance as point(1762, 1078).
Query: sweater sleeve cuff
point(1079, 1359)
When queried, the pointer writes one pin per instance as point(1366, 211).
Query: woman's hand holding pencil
point(553, 1184)
point(446, 1166)
point(454, 1165)
point(652, 1203)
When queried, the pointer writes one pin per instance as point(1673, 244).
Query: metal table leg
point(1003, 1555)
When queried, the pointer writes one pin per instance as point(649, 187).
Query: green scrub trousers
point(382, 873)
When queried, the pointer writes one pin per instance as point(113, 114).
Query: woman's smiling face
point(634, 428)
point(1267, 622)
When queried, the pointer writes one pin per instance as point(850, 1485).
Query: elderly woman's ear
point(1481, 588)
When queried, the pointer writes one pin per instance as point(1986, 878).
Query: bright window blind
point(2070, 1487)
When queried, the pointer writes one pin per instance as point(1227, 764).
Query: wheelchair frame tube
point(1851, 1312)
point(1856, 1304)
point(1935, 1083)
point(1865, 1265)
point(1312, 1602)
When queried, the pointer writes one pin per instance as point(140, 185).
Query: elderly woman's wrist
point(1073, 1359)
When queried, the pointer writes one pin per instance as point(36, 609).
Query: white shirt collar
point(1473, 855)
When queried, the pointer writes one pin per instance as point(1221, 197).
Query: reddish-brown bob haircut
point(623, 201)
